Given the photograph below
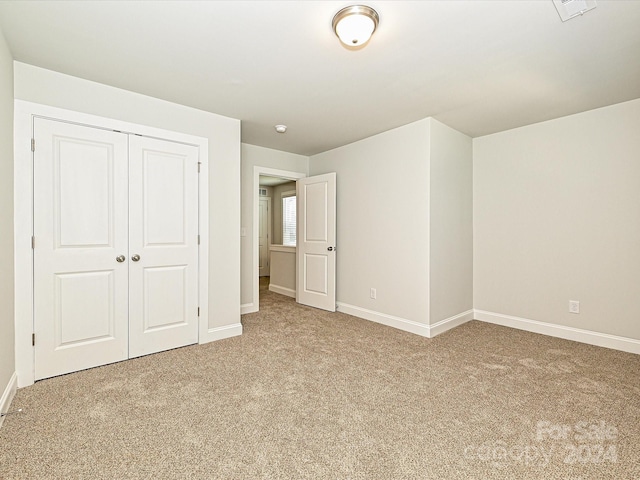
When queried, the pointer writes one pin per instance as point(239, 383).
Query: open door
point(316, 242)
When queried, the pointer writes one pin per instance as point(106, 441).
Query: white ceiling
point(477, 66)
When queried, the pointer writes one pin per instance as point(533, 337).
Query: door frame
point(24, 112)
point(258, 171)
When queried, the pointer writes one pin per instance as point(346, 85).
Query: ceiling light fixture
point(354, 25)
point(281, 128)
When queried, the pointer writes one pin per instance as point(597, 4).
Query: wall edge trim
point(385, 319)
point(625, 344)
point(7, 395)
point(451, 322)
point(289, 292)
point(225, 331)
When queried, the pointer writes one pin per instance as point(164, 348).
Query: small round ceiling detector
point(281, 128)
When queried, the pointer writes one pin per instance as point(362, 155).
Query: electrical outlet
point(373, 293)
point(574, 306)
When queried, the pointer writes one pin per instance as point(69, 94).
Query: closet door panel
point(80, 230)
point(163, 245)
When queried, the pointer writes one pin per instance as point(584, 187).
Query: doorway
point(315, 251)
point(277, 234)
point(269, 175)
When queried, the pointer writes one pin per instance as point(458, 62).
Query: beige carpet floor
point(307, 394)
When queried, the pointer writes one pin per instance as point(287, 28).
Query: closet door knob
point(120, 258)
point(135, 258)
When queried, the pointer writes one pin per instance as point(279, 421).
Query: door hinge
point(198, 311)
point(199, 163)
point(33, 144)
point(33, 339)
point(33, 242)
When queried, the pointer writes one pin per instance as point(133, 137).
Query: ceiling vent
point(567, 9)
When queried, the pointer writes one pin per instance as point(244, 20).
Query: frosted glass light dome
point(354, 25)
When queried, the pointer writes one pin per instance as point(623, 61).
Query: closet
point(115, 237)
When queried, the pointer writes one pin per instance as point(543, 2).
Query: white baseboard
point(7, 396)
point(410, 326)
point(220, 333)
point(624, 344)
point(282, 290)
point(248, 308)
point(449, 323)
point(388, 320)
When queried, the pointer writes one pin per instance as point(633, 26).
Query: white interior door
point(80, 230)
point(116, 246)
point(264, 232)
point(163, 245)
point(316, 242)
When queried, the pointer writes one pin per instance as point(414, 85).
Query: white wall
point(451, 223)
point(557, 218)
point(382, 224)
point(51, 88)
point(7, 354)
point(253, 156)
point(283, 270)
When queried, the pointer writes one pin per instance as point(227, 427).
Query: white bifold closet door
point(116, 254)
point(163, 233)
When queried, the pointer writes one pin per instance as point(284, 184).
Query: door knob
point(135, 258)
point(330, 249)
point(120, 258)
